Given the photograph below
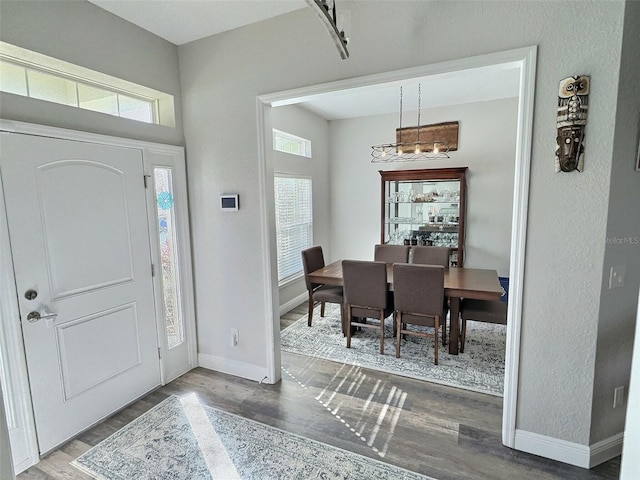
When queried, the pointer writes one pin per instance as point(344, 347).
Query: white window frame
point(294, 256)
point(301, 146)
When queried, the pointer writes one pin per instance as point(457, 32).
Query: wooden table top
point(478, 283)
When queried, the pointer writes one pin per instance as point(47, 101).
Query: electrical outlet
point(616, 276)
point(618, 397)
point(234, 337)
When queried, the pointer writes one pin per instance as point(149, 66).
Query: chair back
point(391, 253)
point(418, 289)
point(312, 259)
point(431, 256)
point(365, 285)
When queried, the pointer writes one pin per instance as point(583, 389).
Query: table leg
point(454, 332)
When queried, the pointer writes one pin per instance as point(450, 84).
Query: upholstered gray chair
point(489, 311)
point(391, 253)
point(313, 259)
point(418, 292)
point(365, 296)
point(430, 256)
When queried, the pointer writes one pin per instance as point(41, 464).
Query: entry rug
point(480, 368)
point(181, 439)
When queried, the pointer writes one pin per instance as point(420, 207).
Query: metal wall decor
point(573, 107)
point(326, 10)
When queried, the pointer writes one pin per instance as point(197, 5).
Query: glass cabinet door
point(425, 207)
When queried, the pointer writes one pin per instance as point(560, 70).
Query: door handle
point(48, 318)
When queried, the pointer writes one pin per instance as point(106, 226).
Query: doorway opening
point(524, 60)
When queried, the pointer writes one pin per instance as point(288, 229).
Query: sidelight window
point(174, 323)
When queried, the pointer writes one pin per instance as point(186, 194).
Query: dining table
point(459, 282)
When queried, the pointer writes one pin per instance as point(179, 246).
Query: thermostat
point(229, 202)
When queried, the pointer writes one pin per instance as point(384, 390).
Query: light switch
point(616, 276)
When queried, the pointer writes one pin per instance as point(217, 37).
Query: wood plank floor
point(446, 433)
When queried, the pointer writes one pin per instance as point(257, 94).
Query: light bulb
point(417, 149)
point(435, 148)
point(399, 151)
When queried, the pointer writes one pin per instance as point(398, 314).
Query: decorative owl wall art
point(573, 107)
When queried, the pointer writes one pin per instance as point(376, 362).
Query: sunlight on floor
point(211, 448)
point(378, 413)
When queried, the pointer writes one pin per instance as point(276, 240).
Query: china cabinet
point(425, 207)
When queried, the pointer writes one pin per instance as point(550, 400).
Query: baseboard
point(233, 367)
point(293, 303)
point(606, 449)
point(568, 452)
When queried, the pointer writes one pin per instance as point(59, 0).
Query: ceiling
point(183, 21)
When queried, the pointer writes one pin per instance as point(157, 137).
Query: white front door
point(77, 223)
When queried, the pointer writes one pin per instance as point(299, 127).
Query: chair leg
point(436, 324)
point(381, 333)
point(398, 334)
point(310, 315)
point(444, 332)
point(463, 334)
point(348, 324)
point(322, 309)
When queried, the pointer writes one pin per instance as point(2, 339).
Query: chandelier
point(417, 148)
point(326, 10)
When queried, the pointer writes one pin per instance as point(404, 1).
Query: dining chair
point(313, 259)
point(489, 311)
point(366, 295)
point(418, 292)
point(391, 253)
point(430, 255)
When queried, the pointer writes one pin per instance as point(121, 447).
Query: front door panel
point(77, 223)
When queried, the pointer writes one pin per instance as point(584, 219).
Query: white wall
point(299, 121)
point(486, 145)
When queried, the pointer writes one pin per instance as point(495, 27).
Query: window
point(170, 268)
point(288, 143)
point(30, 74)
point(294, 223)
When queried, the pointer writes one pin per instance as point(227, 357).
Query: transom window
point(288, 143)
point(33, 75)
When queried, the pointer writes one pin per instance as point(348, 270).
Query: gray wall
point(486, 145)
point(221, 77)
point(630, 459)
point(301, 122)
point(567, 214)
point(83, 34)
point(616, 321)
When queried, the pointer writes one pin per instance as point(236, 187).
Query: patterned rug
point(181, 439)
point(480, 368)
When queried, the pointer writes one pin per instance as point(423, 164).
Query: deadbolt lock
point(30, 294)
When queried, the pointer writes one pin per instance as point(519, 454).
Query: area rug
point(181, 439)
point(480, 368)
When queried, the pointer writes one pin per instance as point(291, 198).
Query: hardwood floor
point(446, 433)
